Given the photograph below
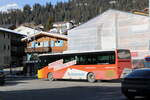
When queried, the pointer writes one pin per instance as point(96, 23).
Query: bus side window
point(84, 60)
point(99, 61)
point(94, 60)
point(72, 58)
point(102, 59)
point(89, 60)
point(81, 59)
point(112, 59)
point(68, 58)
point(77, 59)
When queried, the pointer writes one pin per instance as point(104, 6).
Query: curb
point(20, 77)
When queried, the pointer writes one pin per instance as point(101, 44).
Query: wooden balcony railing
point(42, 49)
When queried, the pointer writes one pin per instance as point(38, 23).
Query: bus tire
point(91, 77)
point(50, 77)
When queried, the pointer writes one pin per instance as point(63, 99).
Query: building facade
point(110, 30)
point(11, 48)
point(61, 27)
point(42, 43)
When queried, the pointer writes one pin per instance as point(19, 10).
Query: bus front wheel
point(91, 77)
point(50, 77)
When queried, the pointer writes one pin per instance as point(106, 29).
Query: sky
point(21, 3)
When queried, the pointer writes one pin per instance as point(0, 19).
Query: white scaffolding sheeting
point(112, 29)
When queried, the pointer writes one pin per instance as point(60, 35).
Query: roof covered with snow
point(9, 31)
point(47, 34)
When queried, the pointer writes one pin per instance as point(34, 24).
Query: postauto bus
point(91, 66)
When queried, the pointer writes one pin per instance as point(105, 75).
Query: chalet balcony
point(38, 50)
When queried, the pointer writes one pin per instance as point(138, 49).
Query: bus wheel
point(50, 77)
point(91, 77)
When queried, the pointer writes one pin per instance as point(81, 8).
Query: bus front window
point(124, 54)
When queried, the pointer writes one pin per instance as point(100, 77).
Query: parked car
point(137, 83)
point(2, 77)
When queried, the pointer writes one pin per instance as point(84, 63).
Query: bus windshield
point(124, 54)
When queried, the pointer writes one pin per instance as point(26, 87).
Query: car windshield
point(139, 74)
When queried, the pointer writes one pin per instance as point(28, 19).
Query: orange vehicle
point(91, 66)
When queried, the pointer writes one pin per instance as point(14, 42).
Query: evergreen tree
point(49, 24)
point(27, 12)
point(78, 10)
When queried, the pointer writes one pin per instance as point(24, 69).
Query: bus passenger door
point(124, 67)
point(123, 61)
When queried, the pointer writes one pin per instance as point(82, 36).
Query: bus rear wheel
point(91, 77)
point(50, 77)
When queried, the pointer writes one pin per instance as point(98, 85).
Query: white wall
point(132, 32)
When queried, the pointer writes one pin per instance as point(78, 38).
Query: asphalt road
point(60, 90)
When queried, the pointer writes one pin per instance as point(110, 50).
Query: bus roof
point(74, 52)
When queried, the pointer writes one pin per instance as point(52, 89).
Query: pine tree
point(78, 10)
point(49, 24)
